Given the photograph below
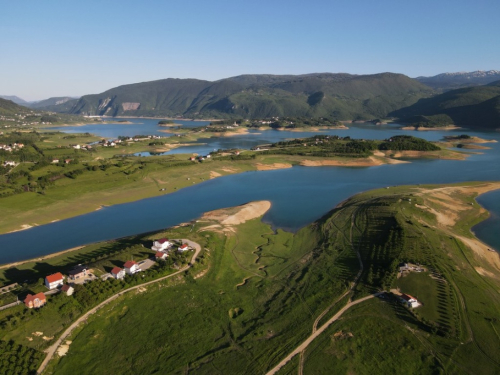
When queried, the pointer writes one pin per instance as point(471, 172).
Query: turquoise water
point(298, 195)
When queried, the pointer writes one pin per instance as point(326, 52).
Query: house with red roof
point(161, 255)
point(68, 289)
point(162, 244)
point(54, 281)
point(131, 267)
point(118, 273)
point(35, 301)
point(409, 300)
point(183, 247)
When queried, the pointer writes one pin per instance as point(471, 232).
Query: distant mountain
point(14, 98)
point(338, 96)
point(449, 81)
point(56, 104)
point(472, 107)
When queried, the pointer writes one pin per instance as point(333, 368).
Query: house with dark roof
point(78, 272)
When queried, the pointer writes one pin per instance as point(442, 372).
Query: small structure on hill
point(68, 289)
point(161, 255)
point(409, 300)
point(35, 301)
point(183, 247)
point(118, 273)
point(131, 267)
point(54, 281)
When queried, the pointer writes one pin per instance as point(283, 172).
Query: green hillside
point(8, 107)
point(56, 104)
point(477, 107)
point(337, 96)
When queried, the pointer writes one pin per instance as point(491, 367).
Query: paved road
point(318, 332)
point(52, 349)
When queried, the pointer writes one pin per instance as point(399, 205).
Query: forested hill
point(337, 96)
point(473, 107)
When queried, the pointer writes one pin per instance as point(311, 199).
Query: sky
point(73, 48)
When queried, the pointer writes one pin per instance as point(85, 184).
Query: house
point(183, 247)
point(78, 272)
point(35, 301)
point(55, 161)
point(54, 281)
point(131, 267)
point(161, 245)
point(68, 289)
point(409, 300)
point(118, 273)
point(161, 255)
point(67, 161)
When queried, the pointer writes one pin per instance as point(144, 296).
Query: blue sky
point(56, 48)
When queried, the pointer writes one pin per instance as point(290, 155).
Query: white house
point(68, 289)
point(118, 273)
point(161, 255)
point(54, 281)
point(409, 300)
point(131, 267)
point(161, 245)
point(183, 247)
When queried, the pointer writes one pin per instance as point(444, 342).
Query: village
point(80, 274)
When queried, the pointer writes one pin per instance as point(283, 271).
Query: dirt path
point(52, 349)
point(311, 338)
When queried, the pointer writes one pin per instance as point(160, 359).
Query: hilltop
point(338, 96)
point(450, 81)
point(477, 107)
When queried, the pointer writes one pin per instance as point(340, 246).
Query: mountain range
point(338, 96)
point(450, 81)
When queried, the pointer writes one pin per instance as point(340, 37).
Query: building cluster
point(11, 147)
point(163, 246)
point(81, 273)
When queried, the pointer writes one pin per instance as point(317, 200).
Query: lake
point(299, 195)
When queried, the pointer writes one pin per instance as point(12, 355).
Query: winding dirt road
point(52, 349)
point(318, 332)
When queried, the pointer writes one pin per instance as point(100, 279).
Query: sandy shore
point(423, 128)
point(238, 215)
point(269, 167)
point(469, 140)
point(448, 209)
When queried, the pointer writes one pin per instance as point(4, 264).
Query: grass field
point(254, 295)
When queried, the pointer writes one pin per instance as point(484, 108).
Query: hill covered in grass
point(337, 96)
point(474, 107)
